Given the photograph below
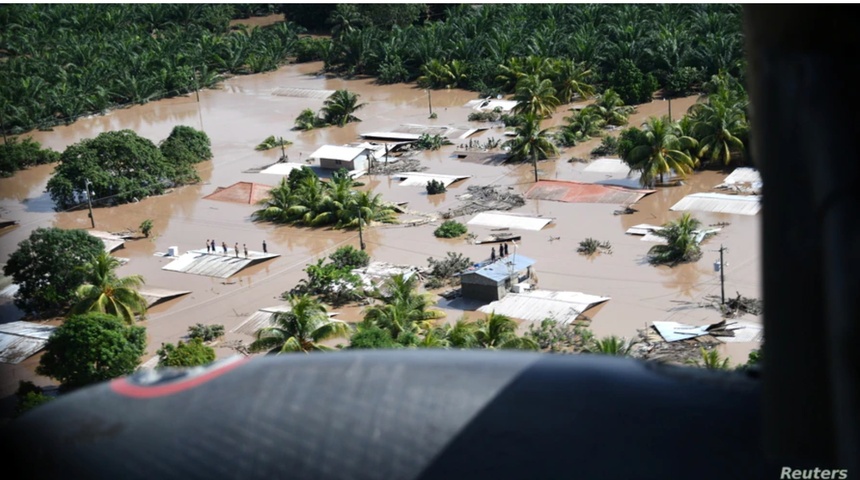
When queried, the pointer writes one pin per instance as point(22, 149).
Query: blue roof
point(501, 269)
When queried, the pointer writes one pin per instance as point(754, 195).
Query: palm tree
point(610, 346)
point(345, 19)
point(610, 107)
point(717, 125)
point(307, 120)
point(535, 96)
point(569, 80)
point(403, 308)
point(681, 245)
point(660, 149)
point(339, 107)
point(711, 360)
point(462, 334)
point(531, 142)
point(499, 331)
point(580, 127)
point(300, 329)
point(106, 293)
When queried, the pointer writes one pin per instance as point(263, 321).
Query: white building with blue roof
point(492, 281)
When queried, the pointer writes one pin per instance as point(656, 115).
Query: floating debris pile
point(485, 198)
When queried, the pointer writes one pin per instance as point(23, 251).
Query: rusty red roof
point(578, 192)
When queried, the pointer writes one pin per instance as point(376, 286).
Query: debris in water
point(484, 198)
point(735, 307)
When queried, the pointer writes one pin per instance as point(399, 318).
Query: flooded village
point(614, 292)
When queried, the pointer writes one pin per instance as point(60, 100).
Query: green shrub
point(348, 258)
point(435, 187)
point(191, 354)
point(207, 333)
point(146, 227)
point(450, 229)
point(608, 146)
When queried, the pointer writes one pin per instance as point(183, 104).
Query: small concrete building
point(493, 281)
point(351, 157)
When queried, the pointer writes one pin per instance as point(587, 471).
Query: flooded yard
point(243, 112)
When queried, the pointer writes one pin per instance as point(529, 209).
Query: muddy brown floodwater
point(243, 111)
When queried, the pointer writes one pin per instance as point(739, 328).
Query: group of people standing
point(211, 248)
point(503, 252)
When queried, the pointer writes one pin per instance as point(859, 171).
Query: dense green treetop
point(16, 155)
point(63, 61)
point(92, 348)
point(46, 268)
point(122, 166)
point(191, 354)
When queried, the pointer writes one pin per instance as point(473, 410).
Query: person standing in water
point(264, 247)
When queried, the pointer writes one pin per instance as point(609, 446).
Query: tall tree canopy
point(122, 166)
point(46, 268)
point(92, 348)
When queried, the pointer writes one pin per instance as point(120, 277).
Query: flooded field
point(243, 111)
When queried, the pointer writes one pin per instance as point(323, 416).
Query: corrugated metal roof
point(412, 132)
point(260, 319)
point(502, 220)
point(488, 105)
point(155, 295)
point(578, 192)
point(607, 165)
point(335, 152)
point(420, 179)
point(642, 229)
point(8, 289)
point(743, 175)
point(743, 331)
point(720, 203)
point(392, 136)
point(537, 305)
point(282, 169)
point(302, 92)
point(111, 241)
point(502, 268)
point(20, 340)
point(199, 262)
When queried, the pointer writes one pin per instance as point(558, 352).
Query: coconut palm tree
point(531, 143)
point(106, 293)
point(299, 330)
point(402, 308)
point(660, 149)
point(681, 245)
point(339, 107)
point(569, 80)
point(462, 334)
point(610, 107)
point(307, 120)
point(711, 360)
point(611, 345)
point(499, 331)
point(535, 96)
point(718, 125)
point(580, 127)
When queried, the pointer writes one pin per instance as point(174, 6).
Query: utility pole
point(360, 235)
point(722, 277)
point(429, 102)
point(283, 151)
point(89, 201)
